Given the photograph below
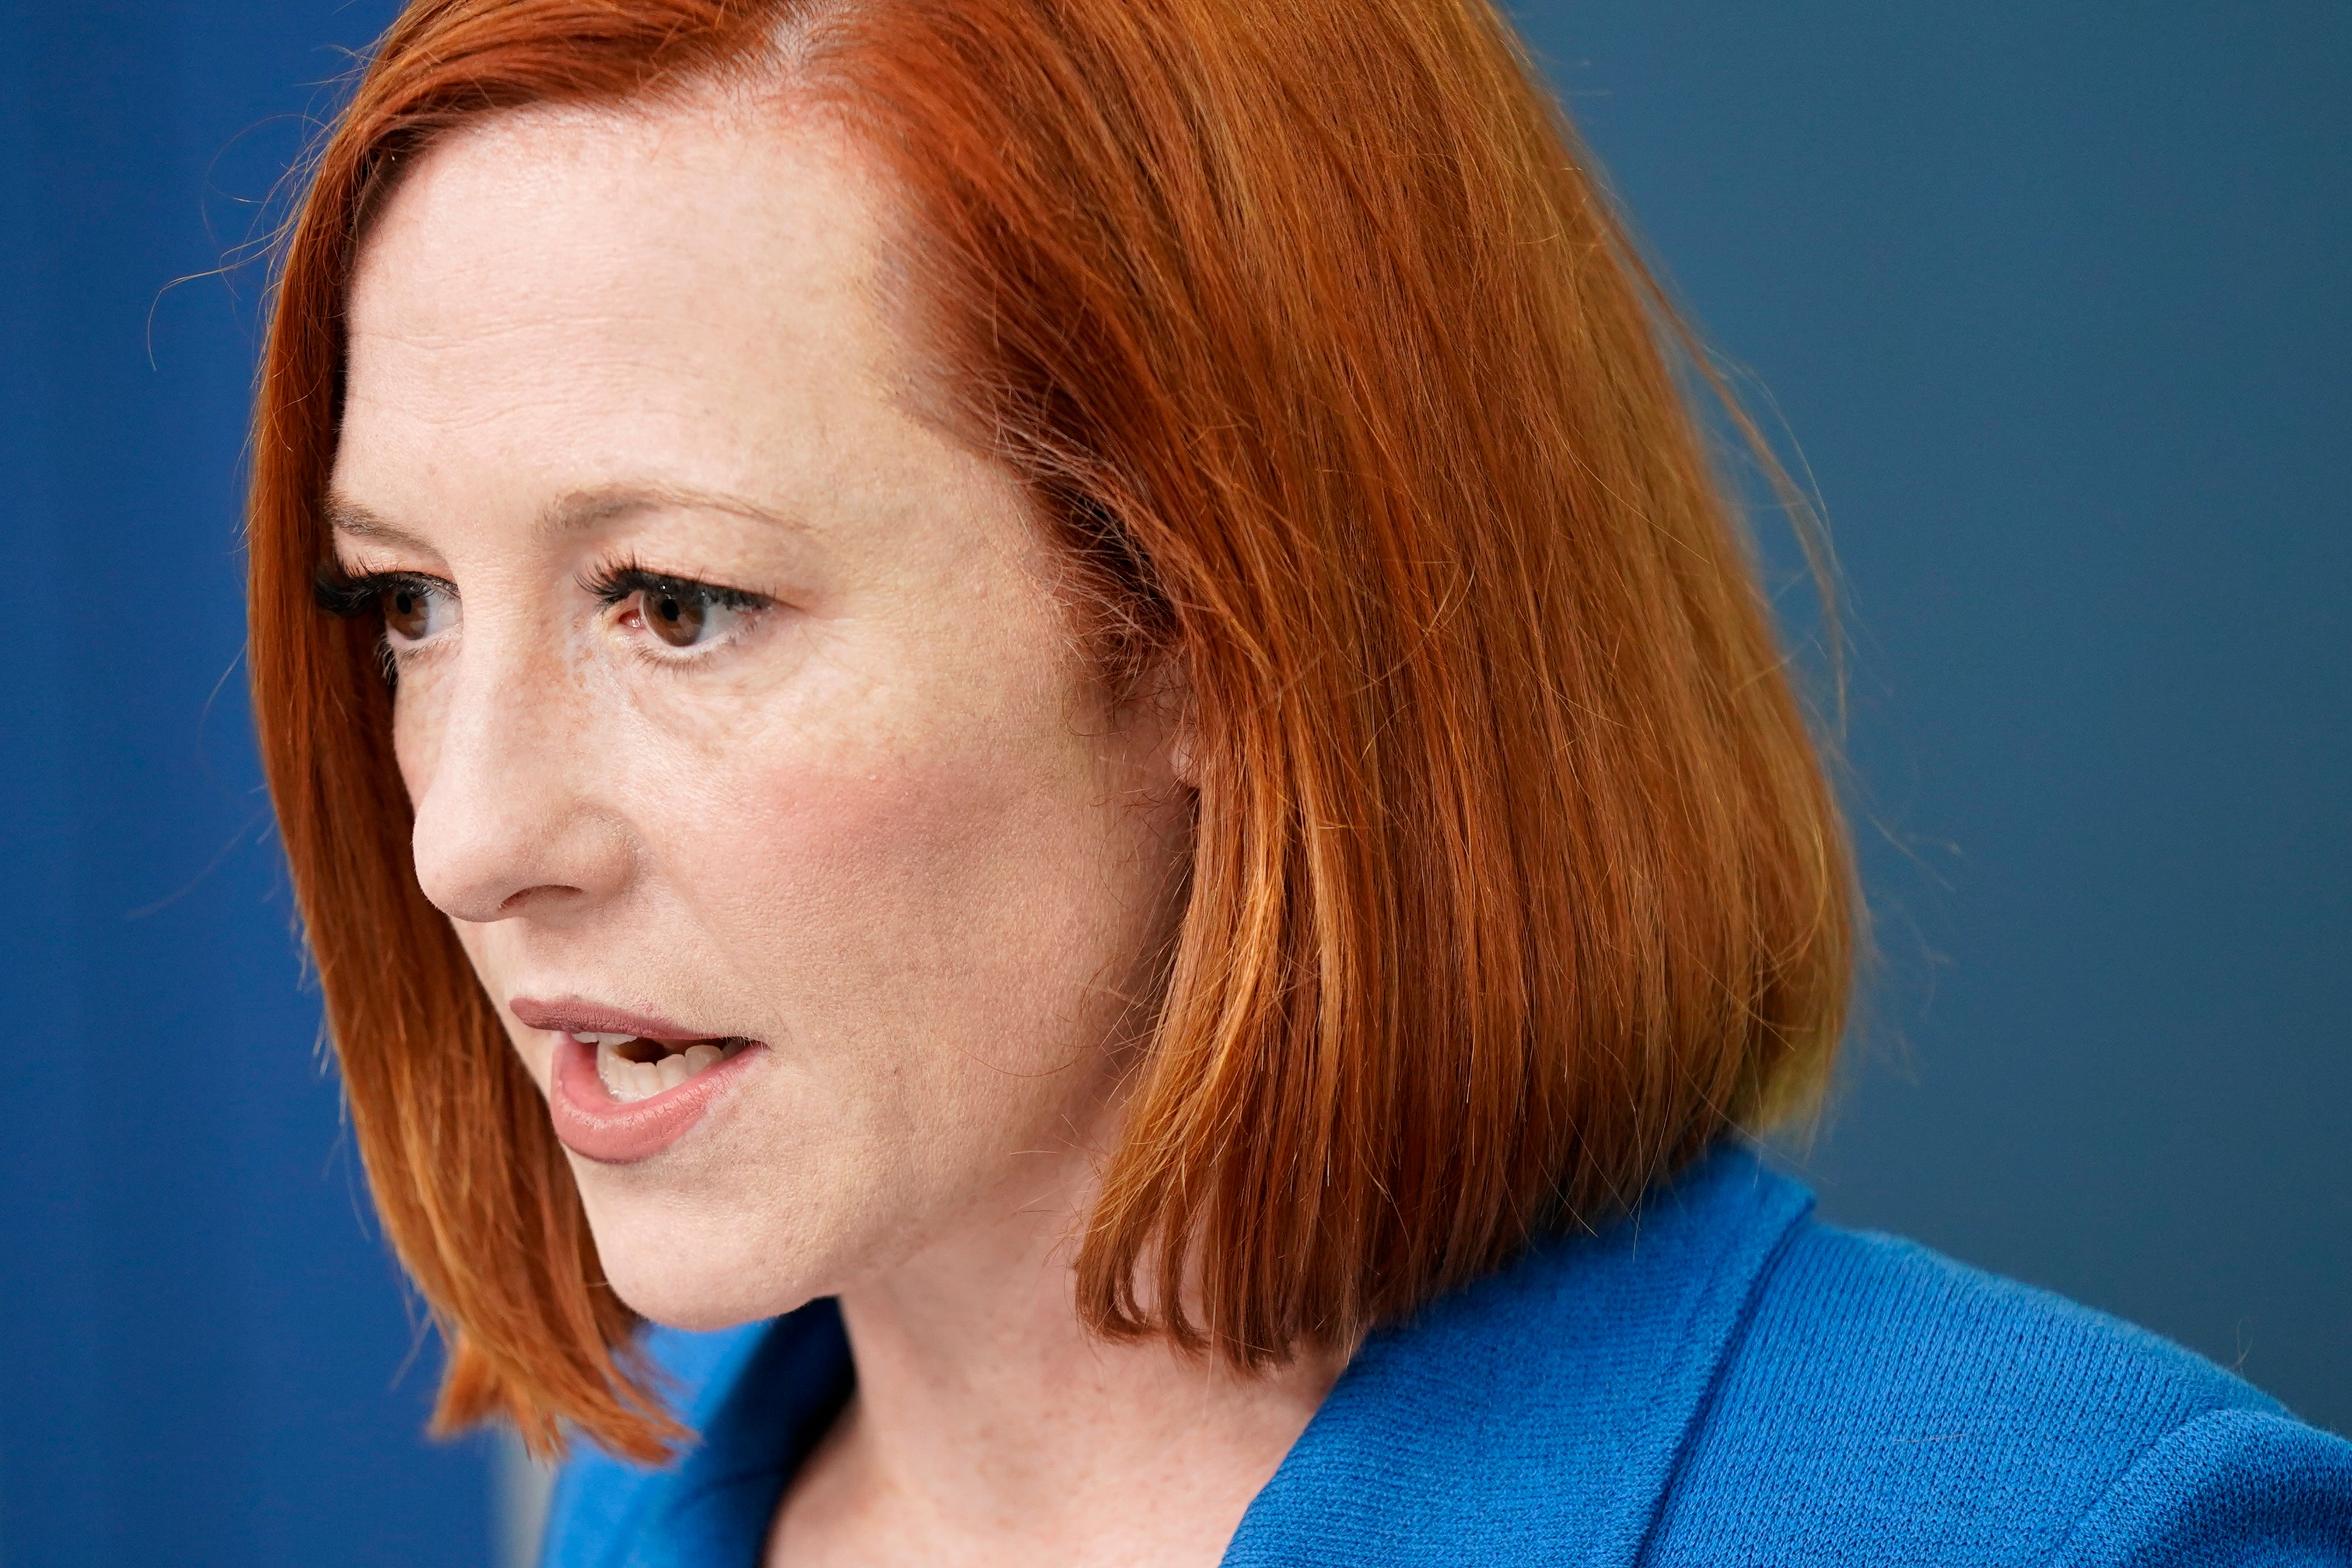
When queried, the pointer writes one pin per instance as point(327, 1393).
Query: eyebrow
point(359, 520)
point(579, 510)
point(574, 512)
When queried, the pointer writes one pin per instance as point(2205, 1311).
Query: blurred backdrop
point(2053, 299)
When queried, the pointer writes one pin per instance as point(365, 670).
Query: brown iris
point(407, 610)
point(677, 615)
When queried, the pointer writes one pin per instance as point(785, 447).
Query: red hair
point(1516, 881)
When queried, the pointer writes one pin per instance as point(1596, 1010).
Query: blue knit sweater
point(1718, 1380)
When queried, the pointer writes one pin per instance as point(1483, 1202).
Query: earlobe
point(1183, 758)
point(1170, 701)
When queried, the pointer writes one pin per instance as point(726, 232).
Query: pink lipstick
point(624, 1087)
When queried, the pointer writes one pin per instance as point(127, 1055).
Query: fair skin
point(735, 696)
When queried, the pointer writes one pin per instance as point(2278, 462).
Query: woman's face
point(740, 722)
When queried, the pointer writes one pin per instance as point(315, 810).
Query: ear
point(1167, 696)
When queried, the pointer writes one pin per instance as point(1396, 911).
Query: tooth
point(648, 1078)
point(698, 1057)
point(674, 1071)
point(584, 1037)
point(612, 1067)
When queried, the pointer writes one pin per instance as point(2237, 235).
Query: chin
point(698, 1271)
point(735, 1246)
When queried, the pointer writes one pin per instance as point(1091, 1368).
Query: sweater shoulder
point(1935, 1338)
point(1883, 1394)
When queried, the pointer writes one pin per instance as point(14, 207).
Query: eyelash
point(613, 583)
point(347, 598)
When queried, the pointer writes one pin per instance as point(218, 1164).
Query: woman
point(1039, 712)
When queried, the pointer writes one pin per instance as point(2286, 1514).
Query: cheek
point(940, 920)
point(928, 870)
point(937, 941)
point(897, 818)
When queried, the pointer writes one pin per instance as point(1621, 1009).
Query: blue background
point(2052, 298)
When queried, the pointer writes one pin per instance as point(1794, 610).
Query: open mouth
point(633, 1067)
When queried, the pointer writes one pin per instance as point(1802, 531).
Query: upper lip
point(577, 1017)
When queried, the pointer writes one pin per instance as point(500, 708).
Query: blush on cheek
point(913, 819)
point(882, 852)
point(966, 896)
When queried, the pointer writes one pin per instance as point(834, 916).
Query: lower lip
point(595, 1126)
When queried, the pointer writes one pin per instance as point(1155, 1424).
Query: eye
point(681, 612)
point(415, 608)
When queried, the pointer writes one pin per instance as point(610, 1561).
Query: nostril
point(545, 892)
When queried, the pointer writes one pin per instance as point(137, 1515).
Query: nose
point(510, 820)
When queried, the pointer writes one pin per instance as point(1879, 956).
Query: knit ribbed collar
point(1536, 1416)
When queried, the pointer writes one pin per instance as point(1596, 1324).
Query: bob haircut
point(1517, 879)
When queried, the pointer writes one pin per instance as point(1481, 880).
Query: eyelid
point(348, 596)
point(615, 581)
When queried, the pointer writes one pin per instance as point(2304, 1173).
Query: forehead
point(549, 283)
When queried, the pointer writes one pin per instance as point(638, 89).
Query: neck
point(990, 1425)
